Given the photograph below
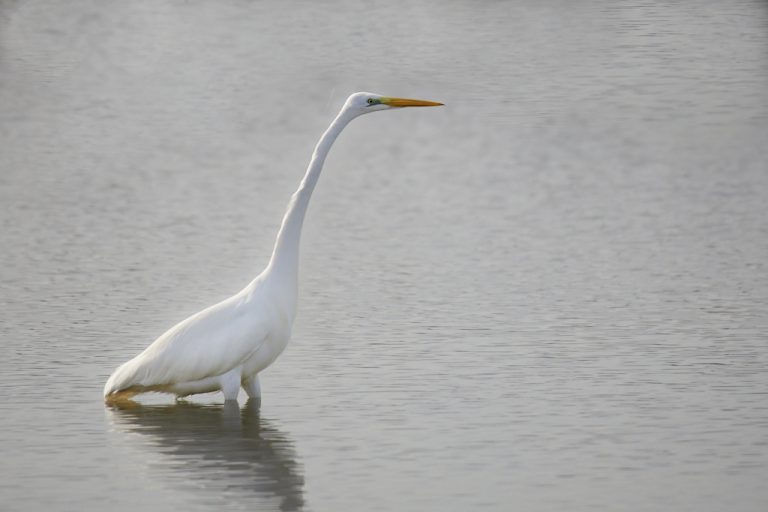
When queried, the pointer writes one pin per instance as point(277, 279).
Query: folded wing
point(206, 344)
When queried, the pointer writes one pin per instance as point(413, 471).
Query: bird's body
point(225, 346)
point(222, 347)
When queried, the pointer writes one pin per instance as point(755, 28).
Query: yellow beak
point(404, 102)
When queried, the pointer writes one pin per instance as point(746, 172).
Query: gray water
point(550, 294)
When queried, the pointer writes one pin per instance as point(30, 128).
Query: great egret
point(226, 345)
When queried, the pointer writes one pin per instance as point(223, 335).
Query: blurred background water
point(550, 294)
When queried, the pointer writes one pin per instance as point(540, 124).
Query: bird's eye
point(370, 101)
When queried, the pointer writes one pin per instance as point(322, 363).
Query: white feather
point(229, 343)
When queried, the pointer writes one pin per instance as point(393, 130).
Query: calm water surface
point(551, 294)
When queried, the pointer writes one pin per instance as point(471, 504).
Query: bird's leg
point(230, 386)
point(252, 387)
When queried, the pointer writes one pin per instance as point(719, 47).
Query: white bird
point(226, 345)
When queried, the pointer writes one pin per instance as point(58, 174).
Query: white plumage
point(226, 345)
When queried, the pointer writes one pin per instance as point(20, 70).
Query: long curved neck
point(285, 256)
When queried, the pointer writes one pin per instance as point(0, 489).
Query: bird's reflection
point(242, 450)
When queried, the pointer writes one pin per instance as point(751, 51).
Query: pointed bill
point(405, 102)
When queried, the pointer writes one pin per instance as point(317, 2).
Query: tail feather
point(121, 396)
point(118, 381)
point(130, 380)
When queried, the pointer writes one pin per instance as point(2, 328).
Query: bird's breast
point(278, 335)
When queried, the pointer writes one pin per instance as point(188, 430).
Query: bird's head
point(364, 102)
